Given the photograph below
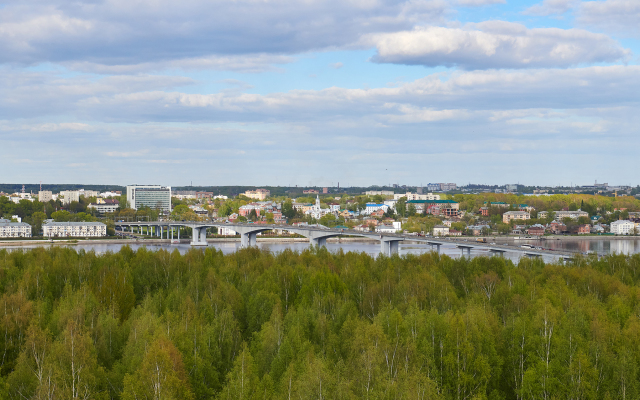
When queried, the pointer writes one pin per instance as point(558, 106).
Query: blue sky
point(316, 92)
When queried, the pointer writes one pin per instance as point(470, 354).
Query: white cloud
point(496, 44)
point(122, 36)
point(551, 7)
point(337, 65)
point(478, 3)
point(619, 16)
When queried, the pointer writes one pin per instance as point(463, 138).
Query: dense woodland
point(315, 325)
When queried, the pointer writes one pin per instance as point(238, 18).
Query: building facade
point(560, 215)
point(379, 193)
point(517, 215)
point(152, 196)
point(69, 196)
point(258, 194)
point(105, 206)
point(623, 227)
point(45, 196)
point(10, 229)
point(74, 229)
point(416, 196)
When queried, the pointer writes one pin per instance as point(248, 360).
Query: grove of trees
point(315, 325)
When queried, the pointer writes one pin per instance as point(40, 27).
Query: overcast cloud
point(315, 92)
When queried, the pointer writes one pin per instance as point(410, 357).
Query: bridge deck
point(316, 231)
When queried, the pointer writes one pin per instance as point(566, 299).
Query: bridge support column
point(171, 233)
point(197, 238)
point(203, 235)
point(437, 247)
point(320, 242)
point(389, 246)
point(467, 249)
point(497, 252)
point(248, 239)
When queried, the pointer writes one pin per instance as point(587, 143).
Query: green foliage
point(256, 325)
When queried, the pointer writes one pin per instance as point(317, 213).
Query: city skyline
point(315, 93)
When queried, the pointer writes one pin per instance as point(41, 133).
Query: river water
point(601, 246)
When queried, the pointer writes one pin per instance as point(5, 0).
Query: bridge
point(389, 242)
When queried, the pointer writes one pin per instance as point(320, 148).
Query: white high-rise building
point(152, 196)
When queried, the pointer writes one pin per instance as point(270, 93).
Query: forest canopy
point(315, 324)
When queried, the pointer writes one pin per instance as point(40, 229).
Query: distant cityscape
point(438, 209)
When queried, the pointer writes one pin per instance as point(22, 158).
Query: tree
point(401, 206)
point(253, 215)
point(36, 222)
point(161, 375)
point(288, 210)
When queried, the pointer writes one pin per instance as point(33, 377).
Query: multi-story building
point(373, 207)
point(515, 215)
point(433, 187)
point(310, 191)
point(74, 229)
point(184, 194)
point(105, 206)
point(89, 193)
point(10, 229)
point(69, 196)
point(416, 196)
point(152, 196)
point(536, 230)
point(379, 193)
point(440, 230)
point(45, 196)
point(560, 215)
point(447, 208)
point(445, 187)
point(622, 227)
point(258, 194)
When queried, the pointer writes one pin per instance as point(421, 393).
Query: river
point(601, 246)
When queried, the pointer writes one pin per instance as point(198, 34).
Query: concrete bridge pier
point(248, 239)
point(435, 244)
point(389, 245)
point(316, 238)
point(320, 242)
point(464, 248)
point(498, 252)
point(199, 235)
point(248, 235)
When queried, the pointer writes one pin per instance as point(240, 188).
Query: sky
point(319, 92)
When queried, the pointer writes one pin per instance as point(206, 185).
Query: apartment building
point(258, 194)
point(74, 229)
point(517, 215)
point(10, 229)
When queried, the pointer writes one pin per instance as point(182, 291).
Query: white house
point(393, 228)
point(623, 227)
point(373, 207)
point(440, 230)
